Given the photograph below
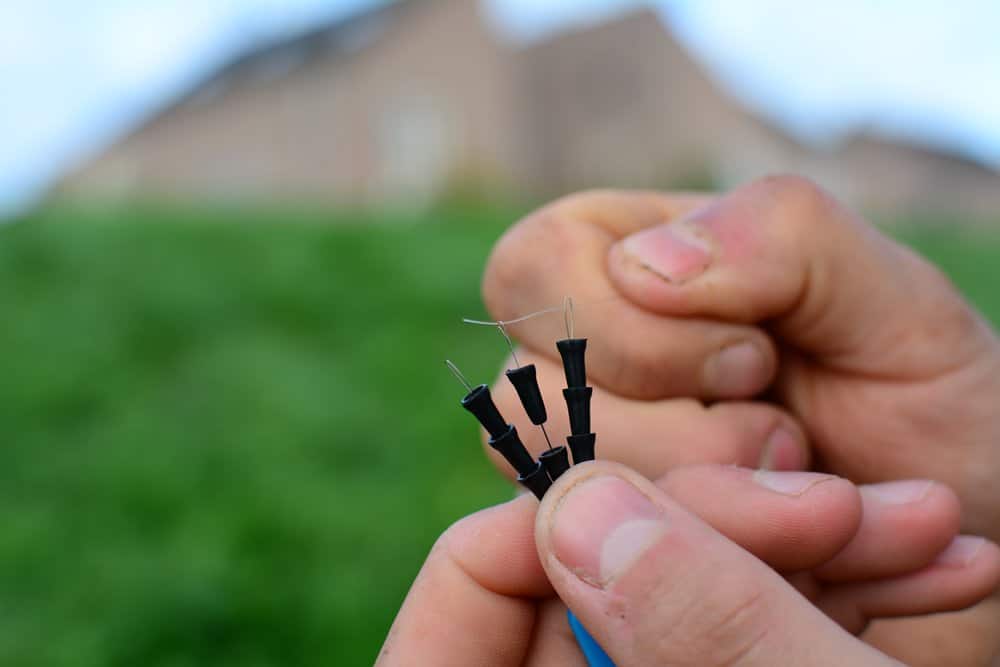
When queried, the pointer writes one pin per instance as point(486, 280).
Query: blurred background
point(239, 237)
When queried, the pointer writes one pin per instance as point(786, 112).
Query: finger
point(562, 251)
point(966, 572)
point(795, 521)
point(874, 339)
point(967, 637)
point(781, 250)
point(655, 586)
point(467, 606)
point(653, 437)
point(554, 643)
point(790, 520)
point(905, 525)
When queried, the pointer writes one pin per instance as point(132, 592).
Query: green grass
point(233, 444)
point(229, 444)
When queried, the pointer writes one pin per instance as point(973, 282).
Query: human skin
point(666, 573)
point(768, 326)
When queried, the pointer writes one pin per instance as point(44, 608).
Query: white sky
point(73, 75)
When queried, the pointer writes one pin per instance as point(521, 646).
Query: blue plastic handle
point(595, 655)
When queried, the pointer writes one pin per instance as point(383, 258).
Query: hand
point(889, 370)
point(655, 584)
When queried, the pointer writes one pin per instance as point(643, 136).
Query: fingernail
point(735, 370)
point(899, 493)
point(961, 552)
point(676, 252)
point(782, 451)
point(789, 483)
point(602, 526)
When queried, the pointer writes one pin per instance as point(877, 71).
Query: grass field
point(229, 436)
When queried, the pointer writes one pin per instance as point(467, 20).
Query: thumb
point(656, 586)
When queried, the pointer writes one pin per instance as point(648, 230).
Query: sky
point(76, 75)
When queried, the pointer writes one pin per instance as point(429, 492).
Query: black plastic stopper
point(572, 351)
point(526, 383)
point(578, 405)
point(556, 461)
point(481, 405)
point(536, 480)
point(582, 446)
point(511, 448)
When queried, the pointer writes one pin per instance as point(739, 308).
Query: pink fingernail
point(789, 483)
point(735, 370)
point(899, 493)
point(782, 451)
point(602, 526)
point(676, 252)
point(961, 552)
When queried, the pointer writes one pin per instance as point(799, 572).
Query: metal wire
point(546, 434)
point(567, 308)
point(502, 326)
point(568, 316)
point(458, 374)
point(484, 323)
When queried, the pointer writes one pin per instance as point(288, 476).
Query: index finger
point(562, 250)
point(467, 606)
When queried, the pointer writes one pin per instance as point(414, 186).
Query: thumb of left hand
point(654, 585)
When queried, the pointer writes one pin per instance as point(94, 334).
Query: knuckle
point(737, 438)
point(452, 547)
point(582, 200)
point(801, 201)
point(945, 315)
point(444, 544)
point(798, 190)
point(932, 277)
point(636, 370)
point(546, 246)
point(955, 312)
point(641, 368)
point(529, 253)
point(722, 630)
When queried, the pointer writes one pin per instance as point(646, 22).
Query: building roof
point(914, 147)
point(338, 38)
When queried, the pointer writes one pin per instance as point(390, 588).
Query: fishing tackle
point(539, 475)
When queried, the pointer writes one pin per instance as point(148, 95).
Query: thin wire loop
point(518, 320)
point(458, 374)
point(502, 326)
point(561, 308)
point(568, 315)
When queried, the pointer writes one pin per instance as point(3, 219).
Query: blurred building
point(421, 98)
